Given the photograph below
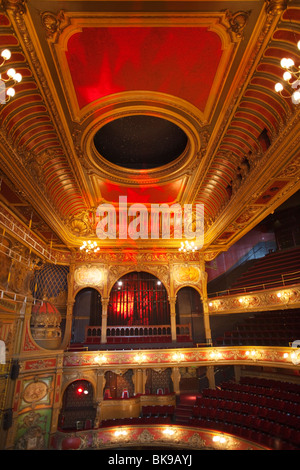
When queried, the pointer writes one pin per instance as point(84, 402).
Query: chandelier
point(10, 78)
point(292, 77)
point(188, 247)
point(89, 247)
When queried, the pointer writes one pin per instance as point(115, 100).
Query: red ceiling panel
point(105, 61)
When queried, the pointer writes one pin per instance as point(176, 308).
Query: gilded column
point(173, 318)
point(205, 306)
point(210, 374)
point(104, 320)
point(70, 304)
point(237, 373)
point(138, 380)
point(175, 376)
point(99, 396)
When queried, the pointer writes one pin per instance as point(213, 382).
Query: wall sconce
point(215, 355)
point(284, 296)
point(220, 439)
point(253, 354)
point(120, 433)
point(244, 301)
point(178, 357)
point(169, 432)
point(295, 357)
point(140, 358)
point(100, 359)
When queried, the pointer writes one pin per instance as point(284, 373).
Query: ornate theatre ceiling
point(161, 102)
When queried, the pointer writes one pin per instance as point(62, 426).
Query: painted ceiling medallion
point(140, 142)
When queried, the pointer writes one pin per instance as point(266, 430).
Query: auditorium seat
point(266, 328)
point(268, 271)
point(251, 411)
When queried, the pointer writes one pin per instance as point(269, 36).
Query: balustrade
point(138, 332)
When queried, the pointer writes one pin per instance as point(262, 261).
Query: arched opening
point(118, 385)
point(189, 310)
point(138, 298)
point(78, 411)
point(159, 382)
point(87, 311)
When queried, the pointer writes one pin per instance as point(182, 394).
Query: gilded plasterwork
point(186, 274)
point(88, 275)
point(35, 391)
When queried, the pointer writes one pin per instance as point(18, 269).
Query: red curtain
point(138, 299)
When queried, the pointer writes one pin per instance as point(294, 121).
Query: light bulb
point(10, 92)
point(18, 77)
point(278, 87)
point(290, 63)
point(11, 73)
point(6, 54)
point(296, 97)
point(298, 45)
point(287, 76)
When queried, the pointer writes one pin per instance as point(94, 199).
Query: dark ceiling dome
point(140, 142)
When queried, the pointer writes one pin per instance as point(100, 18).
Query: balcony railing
point(285, 280)
point(138, 333)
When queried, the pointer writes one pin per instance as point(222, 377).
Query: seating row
point(271, 383)
point(260, 390)
point(136, 421)
point(160, 410)
point(248, 398)
point(284, 439)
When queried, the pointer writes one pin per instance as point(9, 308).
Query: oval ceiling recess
point(140, 142)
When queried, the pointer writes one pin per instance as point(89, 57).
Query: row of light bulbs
point(13, 77)
point(217, 438)
point(214, 355)
point(291, 73)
